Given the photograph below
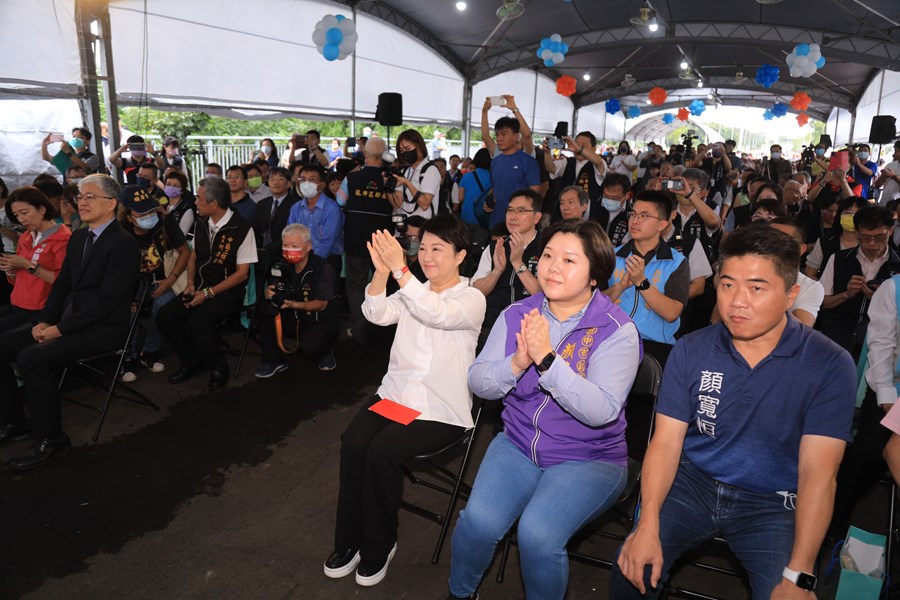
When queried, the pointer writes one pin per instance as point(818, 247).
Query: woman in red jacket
point(38, 258)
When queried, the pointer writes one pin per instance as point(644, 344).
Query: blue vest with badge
point(661, 265)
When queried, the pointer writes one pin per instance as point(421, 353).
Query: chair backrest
point(641, 407)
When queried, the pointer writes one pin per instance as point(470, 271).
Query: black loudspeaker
point(884, 129)
point(390, 109)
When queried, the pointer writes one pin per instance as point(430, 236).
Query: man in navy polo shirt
point(748, 434)
point(511, 168)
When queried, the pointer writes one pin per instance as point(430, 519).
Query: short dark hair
point(33, 196)
point(260, 162)
point(617, 180)
point(450, 229)
point(218, 191)
point(731, 143)
point(238, 169)
point(590, 135)
point(443, 161)
point(280, 171)
point(314, 132)
point(456, 156)
point(795, 224)
point(83, 131)
point(135, 139)
point(663, 202)
point(765, 242)
point(313, 169)
point(698, 175)
point(597, 247)
point(49, 186)
point(775, 188)
point(536, 201)
point(75, 168)
point(873, 217)
point(215, 166)
point(482, 159)
point(507, 123)
point(775, 207)
point(583, 197)
point(148, 165)
point(179, 176)
point(251, 167)
point(417, 221)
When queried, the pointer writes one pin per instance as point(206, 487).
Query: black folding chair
point(639, 413)
point(443, 479)
point(96, 376)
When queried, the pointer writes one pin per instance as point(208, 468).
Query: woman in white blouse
point(437, 328)
point(624, 162)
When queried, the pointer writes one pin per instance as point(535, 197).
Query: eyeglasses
point(518, 211)
point(881, 237)
point(643, 216)
point(90, 197)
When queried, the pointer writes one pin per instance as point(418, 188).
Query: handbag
point(169, 259)
point(861, 564)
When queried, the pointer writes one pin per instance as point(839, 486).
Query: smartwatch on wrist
point(34, 268)
point(804, 581)
point(644, 285)
point(546, 362)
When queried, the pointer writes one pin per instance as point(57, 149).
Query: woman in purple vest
point(563, 361)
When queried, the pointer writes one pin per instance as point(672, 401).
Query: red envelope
point(395, 412)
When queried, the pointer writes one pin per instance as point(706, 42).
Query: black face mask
point(409, 156)
point(623, 150)
point(143, 182)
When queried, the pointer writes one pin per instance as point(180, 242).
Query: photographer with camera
point(299, 304)
point(141, 153)
point(585, 168)
point(418, 187)
point(75, 150)
point(170, 157)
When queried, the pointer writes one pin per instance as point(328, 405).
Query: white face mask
point(308, 189)
point(611, 205)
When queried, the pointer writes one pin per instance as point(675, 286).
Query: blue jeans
point(552, 504)
point(759, 528)
point(153, 339)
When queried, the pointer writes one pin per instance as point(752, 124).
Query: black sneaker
point(371, 572)
point(341, 563)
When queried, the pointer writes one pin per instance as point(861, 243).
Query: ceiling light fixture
point(461, 6)
point(684, 64)
point(586, 76)
point(646, 18)
point(699, 83)
point(654, 25)
point(511, 9)
point(629, 80)
point(739, 77)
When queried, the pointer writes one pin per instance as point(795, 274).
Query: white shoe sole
point(128, 377)
point(380, 575)
point(278, 369)
point(345, 570)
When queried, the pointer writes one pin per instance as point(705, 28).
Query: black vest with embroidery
point(585, 179)
point(217, 257)
point(368, 210)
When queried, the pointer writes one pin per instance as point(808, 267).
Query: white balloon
point(346, 26)
point(790, 59)
point(801, 61)
point(547, 54)
point(318, 37)
point(329, 21)
point(351, 37)
point(796, 71)
point(814, 48)
point(558, 57)
point(555, 38)
point(810, 70)
point(814, 56)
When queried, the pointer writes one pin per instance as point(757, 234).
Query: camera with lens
point(390, 178)
point(399, 221)
point(283, 292)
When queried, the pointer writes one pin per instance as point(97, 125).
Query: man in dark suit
point(272, 213)
point(87, 313)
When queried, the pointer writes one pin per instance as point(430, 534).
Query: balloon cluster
point(634, 112)
point(766, 75)
point(779, 109)
point(552, 50)
point(613, 106)
point(657, 96)
point(768, 115)
point(565, 85)
point(335, 37)
point(805, 60)
point(668, 118)
point(800, 101)
point(697, 106)
point(683, 114)
point(802, 119)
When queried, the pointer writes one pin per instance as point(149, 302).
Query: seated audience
point(255, 186)
point(272, 213)
point(164, 257)
point(809, 299)
point(562, 459)
point(214, 170)
point(66, 209)
point(218, 268)
point(437, 329)
point(86, 313)
point(320, 214)
point(745, 417)
point(418, 189)
point(574, 203)
point(840, 234)
point(38, 257)
point(241, 203)
point(181, 207)
point(75, 174)
point(299, 305)
point(614, 206)
point(585, 169)
point(767, 209)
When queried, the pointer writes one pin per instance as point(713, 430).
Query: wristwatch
point(34, 268)
point(546, 362)
point(644, 285)
point(398, 274)
point(522, 268)
point(804, 581)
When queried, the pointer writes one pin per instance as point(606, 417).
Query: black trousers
point(192, 331)
point(372, 450)
point(358, 268)
point(862, 465)
point(40, 365)
point(317, 338)
point(13, 317)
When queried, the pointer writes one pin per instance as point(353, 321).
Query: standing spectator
point(87, 313)
point(889, 179)
point(305, 308)
point(334, 153)
point(267, 152)
point(241, 203)
point(776, 166)
point(141, 153)
point(614, 206)
point(170, 157)
point(37, 259)
point(862, 169)
point(76, 151)
point(695, 219)
point(419, 187)
point(473, 189)
point(585, 168)
point(320, 214)
point(218, 268)
point(838, 232)
point(624, 162)
point(438, 147)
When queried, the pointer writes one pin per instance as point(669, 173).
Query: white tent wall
point(881, 97)
point(605, 126)
point(838, 126)
point(197, 58)
point(541, 116)
point(51, 66)
point(23, 125)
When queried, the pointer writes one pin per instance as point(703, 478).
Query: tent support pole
point(353, 84)
point(90, 102)
point(466, 118)
point(109, 86)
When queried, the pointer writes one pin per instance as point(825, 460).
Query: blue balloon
point(545, 43)
point(779, 110)
point(549, 63)
point(339, 18)
point(768, 115)
point(555, 46)
point(802, 49)
point(334, 36)
point(697, 107)
point(565, 47)
point(539, 50)
point(330, 52)
point(634, 112)
point(668, 118)
point(820, 63)
point(613, 106)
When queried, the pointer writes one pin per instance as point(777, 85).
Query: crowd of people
point(537, 273)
